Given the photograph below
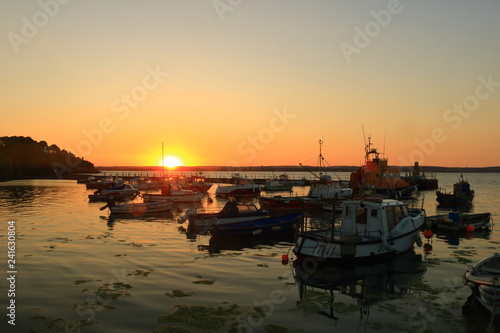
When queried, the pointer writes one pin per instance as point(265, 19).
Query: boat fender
point(386, 244)
point(276, 228)
point(257, 232)
point(418, 240)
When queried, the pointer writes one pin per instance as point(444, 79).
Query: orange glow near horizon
point(200, 95)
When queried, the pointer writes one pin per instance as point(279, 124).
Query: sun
point(171, 161)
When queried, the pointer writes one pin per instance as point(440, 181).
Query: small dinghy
point(263, 226)
point(484, 280)
point(140, 208)
point(457, 221)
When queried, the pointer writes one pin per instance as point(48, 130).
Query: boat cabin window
point(395, 214)
point(348, 211)
point(374, 213)
point(361, 215)
point(390, 218)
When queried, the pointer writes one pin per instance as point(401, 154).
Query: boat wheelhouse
point(325, 188)
point(376, 174)
point(462, 195)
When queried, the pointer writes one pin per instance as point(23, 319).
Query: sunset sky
point(240, 82)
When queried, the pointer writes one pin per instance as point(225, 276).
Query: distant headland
point(24, 158)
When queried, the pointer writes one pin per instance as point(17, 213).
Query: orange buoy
point(470, 228)
point(427, 234)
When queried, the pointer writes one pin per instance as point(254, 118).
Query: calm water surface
point(79, 271)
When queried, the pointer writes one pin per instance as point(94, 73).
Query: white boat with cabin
point(240, 186)
point(368, 229)
point(325, 188)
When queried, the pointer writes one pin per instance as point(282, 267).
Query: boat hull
point(263, 226)
point(285, 204)
point(203, 221)
point(231, 191)
point(450, 201)
point(191, 197)
point(112, 197)
point(142, 208)
point(443, 222)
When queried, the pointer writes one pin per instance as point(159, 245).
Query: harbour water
point(78, 271)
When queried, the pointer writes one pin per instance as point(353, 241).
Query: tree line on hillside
point(23, 157)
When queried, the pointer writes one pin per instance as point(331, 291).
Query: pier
point(211, 177)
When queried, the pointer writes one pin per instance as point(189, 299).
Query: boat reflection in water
point(368, 284)
point(218, 244)
point(112, 219)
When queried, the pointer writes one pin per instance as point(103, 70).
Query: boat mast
point(162, 162)
point(320, 162)
point(320, 158)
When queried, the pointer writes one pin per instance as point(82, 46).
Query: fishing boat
point(140, 208)
point(458, 221)
point(285, 179)
point(369, 229)
point(99, 183)
point(376, 174)
point(262, 226)
point(240, 186)
point(117, 193)
point(175, 193)
point(232, 212)
point(462, 194)
point(124, 189)
point(193, 183)
point(484, 280)
point(326, 188)
point(277, 185)
point(142, 183)
point(322, 191)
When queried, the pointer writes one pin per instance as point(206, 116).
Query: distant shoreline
point(293, 168)
point(277, 169)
